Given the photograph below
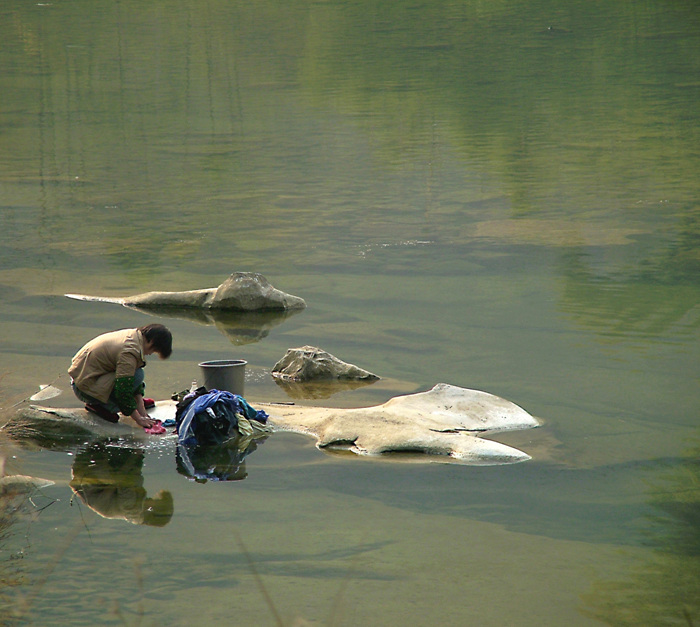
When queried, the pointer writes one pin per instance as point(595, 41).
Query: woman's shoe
point(103, 412)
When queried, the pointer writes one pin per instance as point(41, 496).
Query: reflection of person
point(107, 373)
point(109, 480)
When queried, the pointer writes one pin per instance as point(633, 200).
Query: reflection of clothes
point(109, 480)
point(107, 364)
point(215, 463)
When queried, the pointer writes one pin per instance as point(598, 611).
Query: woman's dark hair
point(160, 337)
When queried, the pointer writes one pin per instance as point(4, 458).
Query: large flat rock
point(445, 423)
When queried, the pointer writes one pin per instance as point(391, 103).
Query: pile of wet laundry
point(216, 431)
point(206, 417)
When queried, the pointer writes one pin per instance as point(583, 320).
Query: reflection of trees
point(399, 69)
point(630, 305)
point(664, 590)
point(578, 109)
point(679, 263)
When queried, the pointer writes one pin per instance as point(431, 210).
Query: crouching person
point(107, 373)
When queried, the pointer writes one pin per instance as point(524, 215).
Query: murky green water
point(501, 196)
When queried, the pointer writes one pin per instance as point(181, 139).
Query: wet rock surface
point(442, 424)
point(309, 363)
point(242, 291)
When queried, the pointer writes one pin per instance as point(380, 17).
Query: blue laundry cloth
point(200, 404)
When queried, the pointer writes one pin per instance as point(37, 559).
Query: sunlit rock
point(309, 363)
point(242, 291)
point(446, 421)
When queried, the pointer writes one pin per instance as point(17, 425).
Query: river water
point(500, 196)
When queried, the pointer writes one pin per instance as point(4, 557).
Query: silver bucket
point(224, 374)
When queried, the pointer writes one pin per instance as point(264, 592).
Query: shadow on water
point(664, 588)
point(307, 565)
point(649, 303)
point(602, 505)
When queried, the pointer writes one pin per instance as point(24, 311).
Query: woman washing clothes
point(107, 373)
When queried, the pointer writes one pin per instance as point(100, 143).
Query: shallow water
point(461, 194)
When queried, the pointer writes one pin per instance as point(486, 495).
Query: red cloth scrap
point(156, 429)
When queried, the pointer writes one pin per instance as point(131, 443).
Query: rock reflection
point(239, 327)
point(319, 389)
point(663, 590)
point(108, 478)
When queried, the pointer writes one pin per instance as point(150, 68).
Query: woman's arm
point(124, 395)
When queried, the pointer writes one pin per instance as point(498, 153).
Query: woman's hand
point(142, 421)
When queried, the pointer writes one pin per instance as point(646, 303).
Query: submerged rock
point(242, 291)
point(309, 363)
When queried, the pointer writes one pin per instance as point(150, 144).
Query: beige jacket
point(97, 364)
